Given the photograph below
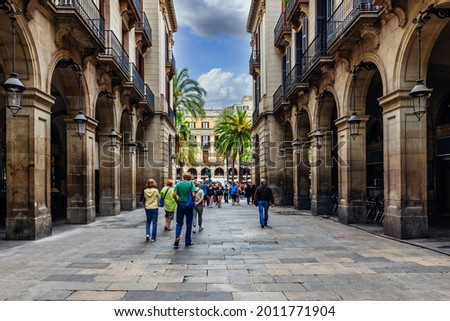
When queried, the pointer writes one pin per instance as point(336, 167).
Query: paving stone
point(299, 257)
point(96, 296)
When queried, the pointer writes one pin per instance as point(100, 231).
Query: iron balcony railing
point(115, 50)
point(290, 7)
point(136, 79)
point(144, 24)
point(149, 97)
point(89, 12)
point(316, 49)
point(344, 15)
point(292, 79)
point(171, 116)
point(137, 5)
point(278, 97)
point(282, 27)
point(254, 61)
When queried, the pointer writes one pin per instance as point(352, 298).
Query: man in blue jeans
point(180, 194)
point(264, 197)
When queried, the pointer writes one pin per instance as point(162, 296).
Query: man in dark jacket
point(264, 197)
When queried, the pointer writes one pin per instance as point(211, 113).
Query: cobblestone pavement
point(298, 257)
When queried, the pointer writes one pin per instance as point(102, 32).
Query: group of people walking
point(185, 201)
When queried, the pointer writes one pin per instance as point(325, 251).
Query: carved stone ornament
point(371, 32)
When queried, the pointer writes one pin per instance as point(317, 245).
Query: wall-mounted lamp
point(319, 138)
point(80, 120)
point(421, 93)
point(145, 150)
point(132, 146)
point(296, 144)
point(354, 121)
point(113, 138)
point(13, 87)
point(173, 157)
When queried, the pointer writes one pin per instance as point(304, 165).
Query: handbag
point(161, 201)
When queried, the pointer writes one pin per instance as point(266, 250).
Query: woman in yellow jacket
point(151, 201)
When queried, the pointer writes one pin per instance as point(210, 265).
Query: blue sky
point(212, 42)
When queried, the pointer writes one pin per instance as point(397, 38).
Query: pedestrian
point(205, 189)
point(169, 203)
point(210, 193)
point(248, 193)
point(226, 193)
point(233, 193)
point(181, 192)
point(198, 209)
point(264, 197)
point(219, 194)
point(151, 200)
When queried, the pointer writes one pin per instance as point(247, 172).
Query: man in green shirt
point(181, 192)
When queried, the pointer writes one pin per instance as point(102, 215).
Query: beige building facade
point(314, 64)
point(109, 60)
point(205, 138)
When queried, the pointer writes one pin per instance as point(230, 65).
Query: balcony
point(170, 65)
point(254, 63)
point(144, 33)
point(115, 57)
point(87, 26)
point(278, 99)
point(136, 83)
point(282, 33)
point(295, 11)
point(293, 85)
point(132, 8)
point(344, 25)
point(171, 116)
point(149, 99)
point(315, 57)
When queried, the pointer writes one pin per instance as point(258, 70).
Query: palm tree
point(188, 96)
point(185, 143)
point(234, 130)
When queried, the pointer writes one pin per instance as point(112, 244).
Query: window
point(205, 141)
point(192, 125)
point(205, 124)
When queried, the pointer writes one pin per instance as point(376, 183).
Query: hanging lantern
point(354, 122)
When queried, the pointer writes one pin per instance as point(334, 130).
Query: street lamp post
point(13, 87)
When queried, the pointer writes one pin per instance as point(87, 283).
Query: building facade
point(111, 62)
point(317, 63)
point(205, 138)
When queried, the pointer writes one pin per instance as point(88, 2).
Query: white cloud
point(208, 18)
point(224, 89)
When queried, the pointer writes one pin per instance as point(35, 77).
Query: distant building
point(203, 130)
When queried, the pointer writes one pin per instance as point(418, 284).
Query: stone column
point(109, 176)
point(405, 168)
point(80, 174)
point(28, 139)
point(321, 177)
point(352, 172)
point(302, 171)
point(128, 179)
point(271, 163)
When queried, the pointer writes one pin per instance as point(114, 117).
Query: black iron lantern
point(319, 138)
point(296, 145)
point(113, 136)
point(13, 86)
point(80, 124)
point(14, 93)
point(354, 122)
